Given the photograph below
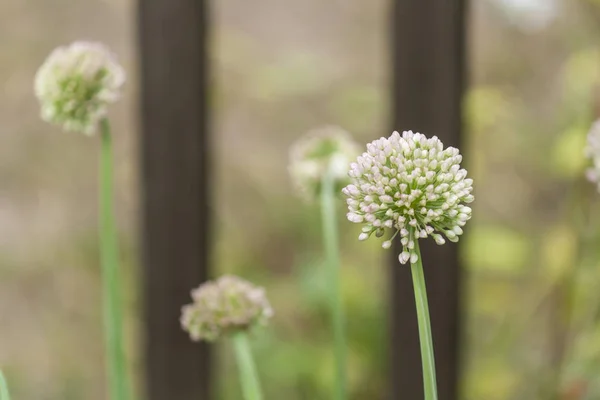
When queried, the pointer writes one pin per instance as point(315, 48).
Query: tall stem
point(425, 338)
point(248, 375)
point(3, 388)
point(111, 285)
point(330, 240)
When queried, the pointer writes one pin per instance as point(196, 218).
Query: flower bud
point(326, 150)
point(224, 306)
point(76, 84)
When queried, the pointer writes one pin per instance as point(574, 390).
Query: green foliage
point(4, 395)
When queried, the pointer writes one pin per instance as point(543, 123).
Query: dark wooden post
point(175, 190)
point(428, 40)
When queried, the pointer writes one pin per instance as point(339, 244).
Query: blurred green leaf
point(485, 107)
point(559, 247)
point(497, 248)
point(581, 77)
point(568, 159)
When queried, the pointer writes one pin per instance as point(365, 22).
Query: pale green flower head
point(76, 84)
point(328, 149)
point(225, 306)
point(592, 152)
point(412, 185)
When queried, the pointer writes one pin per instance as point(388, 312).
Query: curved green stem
point(111, 278)
point(248, 374)
point(330, 240)
point(425, 337)
point(4, 395)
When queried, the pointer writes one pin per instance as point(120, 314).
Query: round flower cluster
point(413, 185)
point(592, 152)
point(76, 84)
point(328, 149)
point(224, 306)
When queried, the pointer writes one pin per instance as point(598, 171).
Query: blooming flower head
point(592, 152)
point(76, 84)
point(410, 184)
point(224, 306)
point(328, 149)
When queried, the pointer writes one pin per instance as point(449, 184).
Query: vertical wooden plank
point(175, 216)
point(428, 47)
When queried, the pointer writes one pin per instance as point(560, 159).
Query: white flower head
point(76, 84)
point(409, 183)
point(592, 152)
point(328, 149)
point(224, 306)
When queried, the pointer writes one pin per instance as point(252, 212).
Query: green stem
point(4, 395)
point(248, 375)
point(425, 338)
point(111, 285)
point(330, 240)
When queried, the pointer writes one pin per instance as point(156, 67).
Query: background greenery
point(532, 326)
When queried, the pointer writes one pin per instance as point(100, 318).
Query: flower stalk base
point(248, 375)
point(425, 337)
point(111, 278)
point(330, 240)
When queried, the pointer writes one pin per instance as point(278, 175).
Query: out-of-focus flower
point(410, 184)
point(225, 306)
point(592, 152)
point(328, 149)
point(76, 84)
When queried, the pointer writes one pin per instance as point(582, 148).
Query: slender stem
point(111, 285)
point(425, 338)
point(248, 375)
point(330, 240)
point(3, 388)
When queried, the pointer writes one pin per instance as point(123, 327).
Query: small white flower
point(224, 306)
point(592, 152)
point(76, 84)
point(411, 184)
point(328, 149)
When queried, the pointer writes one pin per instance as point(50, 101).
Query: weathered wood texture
point(428, 56)
point(175, 190)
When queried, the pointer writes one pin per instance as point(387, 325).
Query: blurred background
point(280, 68)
